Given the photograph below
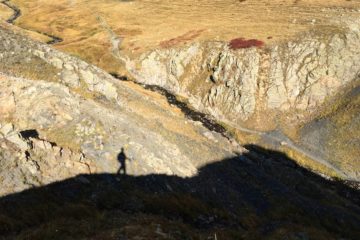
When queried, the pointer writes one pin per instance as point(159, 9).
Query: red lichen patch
point(238, 43)
point(191, 35)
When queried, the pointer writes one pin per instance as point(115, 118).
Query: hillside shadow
point(259, 195)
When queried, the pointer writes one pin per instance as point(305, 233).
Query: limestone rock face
point(84, 118)
point(305, 73)
point(255, 90)
point(234, 85)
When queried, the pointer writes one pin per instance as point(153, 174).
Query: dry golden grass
point(5, 12)
point(149, 24)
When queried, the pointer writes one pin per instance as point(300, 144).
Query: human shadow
point(258, 195)
point(122, 158)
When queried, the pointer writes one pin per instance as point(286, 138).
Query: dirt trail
point(17, 14)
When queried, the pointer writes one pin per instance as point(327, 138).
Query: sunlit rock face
point(235, 84)
point(282, 86)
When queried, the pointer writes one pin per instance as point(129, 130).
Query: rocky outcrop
point(259, 89)
point(32, 162)
point(84, 117)
point(72, 71)
point(236, 85)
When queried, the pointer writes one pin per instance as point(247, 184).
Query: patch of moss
point(34, 68)
point(65, 137)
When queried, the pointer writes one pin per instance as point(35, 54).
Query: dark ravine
point(190, 113)
point(54, 39)
point(17, 11)
point(205, 119)
point(17, 14)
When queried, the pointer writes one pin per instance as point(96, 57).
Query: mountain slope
point(254, 66)
point(80, 107)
